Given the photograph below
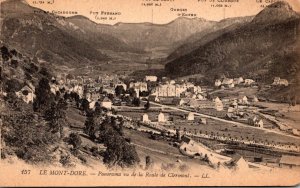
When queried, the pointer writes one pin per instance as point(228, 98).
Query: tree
point(118, 152)
point(45, 73)
point(75, 140)
point(43, 94)
point(147, 105)
point(136, 101)
point(90, 124)
point(12, 85)
point(85, 105)
point(55, 116)
point(119, 90)
point(70, 76)
point(5, 53)
point(131, 92)
point(98, 109)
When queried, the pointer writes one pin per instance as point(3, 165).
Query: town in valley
point(213, 104)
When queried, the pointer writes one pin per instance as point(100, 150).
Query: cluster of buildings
point(173, 89)
point(232, 82)
point(164, 117)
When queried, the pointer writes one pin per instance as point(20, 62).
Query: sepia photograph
point(150, 93)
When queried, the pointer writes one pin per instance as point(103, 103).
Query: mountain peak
point(282, 5)
point(276, 12)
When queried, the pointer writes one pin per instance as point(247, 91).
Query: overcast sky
point(132, 11)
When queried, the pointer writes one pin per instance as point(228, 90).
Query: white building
point(54, 88)
point(278, 81)
point(227, 81)
point(161, 117)
point(106, 103)
point(218, 104)
point(171, 89)
point(254, 121)
point(151, 78)
point(200, 97)
point(255, 99)
point(145, 118)
point(231, 85)
point(141, 86)
point(218, 83)
point(190, 117)
point(238, 80)
point(249, 81)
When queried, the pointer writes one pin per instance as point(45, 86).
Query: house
point(238, 80)
point(227, 81)
point(289, 161)
point(255, 121)
point(150, 78)
point(54, 88)
point(167, 90)
point(255, 99)
point(259, 123)
point(141, 86)
point(278, 81)
point(231, 85)
point(106, 103)
point(218, 83)
point(283, 82)
point(26, 94)
point(190, 117)
point(248, 82)
point(244, 100)
point(172, 82)
point(218, 104)
point(145, 118)
point(191, 88)
point(200, 97)
point(161, 117)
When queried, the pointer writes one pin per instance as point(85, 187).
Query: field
point(215, 127)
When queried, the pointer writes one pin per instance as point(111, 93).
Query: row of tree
point(109, 131)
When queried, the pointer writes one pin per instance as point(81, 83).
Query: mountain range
point(260, 47)
point(76, 40)
point(265, 47)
